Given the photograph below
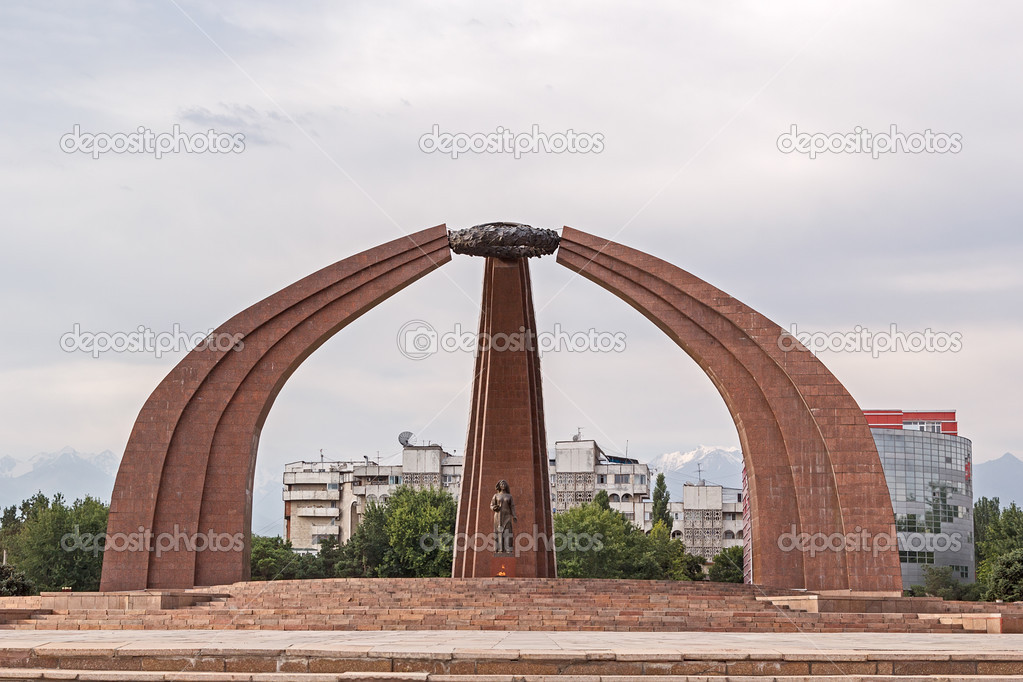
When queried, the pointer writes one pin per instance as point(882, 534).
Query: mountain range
point(1001, 478)
point(67, 471)
point(716, 465)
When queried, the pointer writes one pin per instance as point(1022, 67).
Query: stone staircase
point(480, 604)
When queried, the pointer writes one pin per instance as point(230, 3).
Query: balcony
point(299, 495)
point(318, 511)
point(307, 477)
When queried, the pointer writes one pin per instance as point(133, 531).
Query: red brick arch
point(189, 463)
point(809, 454)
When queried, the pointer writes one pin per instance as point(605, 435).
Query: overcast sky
point(689, 100)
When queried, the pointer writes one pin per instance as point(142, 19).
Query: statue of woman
point(504, 514)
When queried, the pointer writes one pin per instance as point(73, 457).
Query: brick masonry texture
point(484, 604)
point(190, 460)
point(506, 438)
point(290, 655)
point(811, 460)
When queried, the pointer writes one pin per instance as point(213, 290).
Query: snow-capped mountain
point(75, 474)
point(717, 465)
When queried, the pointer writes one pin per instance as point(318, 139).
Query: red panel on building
point(897, 419)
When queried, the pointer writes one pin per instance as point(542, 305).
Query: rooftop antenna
point(579, 434)
point(626, 448)
point(699, 473)
point(406, 439)
point(321, 455)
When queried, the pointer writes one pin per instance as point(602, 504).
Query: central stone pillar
point(506, 439)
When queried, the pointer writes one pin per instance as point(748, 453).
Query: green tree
point(727, 566)
point(363, 555)
point(1006, 579)
point(14, 583)
point(986, 511)
point(602, 500)
point(943, 582)
point(686, 566)
point(14, 517)
point(649, 556)
point(273, 558)
point(60, 546)
point(409, 537)
point(661, 499)
point(598, 542)
point(673, 561)
point(591, 541)
point(10, 524)
point(420, 526)
point(1004, 534)
point(323, 564)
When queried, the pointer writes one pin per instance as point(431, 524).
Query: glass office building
point(928, 469)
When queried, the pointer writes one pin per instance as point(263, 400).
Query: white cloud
point(334, 98)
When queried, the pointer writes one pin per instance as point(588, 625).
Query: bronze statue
point(504, 514)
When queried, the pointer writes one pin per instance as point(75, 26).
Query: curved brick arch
point(190, 459)
point(811, 459)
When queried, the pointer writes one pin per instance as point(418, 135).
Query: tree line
point(45, 541)
point(412, 536)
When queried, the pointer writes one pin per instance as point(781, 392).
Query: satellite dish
point(406, 439)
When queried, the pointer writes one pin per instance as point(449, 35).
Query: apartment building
point(327, 498)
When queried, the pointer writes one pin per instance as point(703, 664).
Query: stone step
point(19, 675)
point(91, 662)
point(519, 604)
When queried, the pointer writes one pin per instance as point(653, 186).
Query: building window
point(602, 479)
point(394, 480)
point(621, 478)
point(646, 516)
point(729, 535)
point(332, 486)
point(916, 557)
point(963, 571)
point(642, 479)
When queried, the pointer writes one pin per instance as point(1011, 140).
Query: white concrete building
point(707, 519)
point(711, 518)
point(580, 468)
point(327, 499)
